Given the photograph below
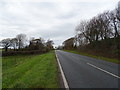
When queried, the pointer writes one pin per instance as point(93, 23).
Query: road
point(85, 72)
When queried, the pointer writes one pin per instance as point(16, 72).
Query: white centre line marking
point(104, 70)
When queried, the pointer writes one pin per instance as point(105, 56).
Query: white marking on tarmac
point(104, 70)
point(62, 73)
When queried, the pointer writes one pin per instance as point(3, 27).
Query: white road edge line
point(104, 70)
point(62, 73)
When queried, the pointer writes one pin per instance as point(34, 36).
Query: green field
point(32, 71)
point(97, 57)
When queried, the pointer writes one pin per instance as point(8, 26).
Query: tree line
point(103, 26)
point(20, 43)
point(102, 29)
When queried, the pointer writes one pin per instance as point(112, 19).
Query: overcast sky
point(49, 19)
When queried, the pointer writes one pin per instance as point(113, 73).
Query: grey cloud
point(57, 31)
point(50, 20)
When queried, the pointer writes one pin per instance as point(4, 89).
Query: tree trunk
point(116, 32)
point(6, 48)
point(14, 48)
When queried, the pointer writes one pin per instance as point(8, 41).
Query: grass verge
point(97, 57)
point(31, 71)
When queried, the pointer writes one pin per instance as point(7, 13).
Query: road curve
point(85, 72)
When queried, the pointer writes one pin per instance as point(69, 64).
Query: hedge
point(10, 53)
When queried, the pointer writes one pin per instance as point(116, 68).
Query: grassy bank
point(31, 71)
point(97, 57)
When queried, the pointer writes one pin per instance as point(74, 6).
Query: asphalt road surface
point(85, 72)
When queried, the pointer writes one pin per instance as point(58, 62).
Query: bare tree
point(49, 44)
point(92, 31)
point(103, 25)
point(5, 43)
point(114, 23)
point(95, 29)
point(14, 43)
point(81, 33)
point(21, 40)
